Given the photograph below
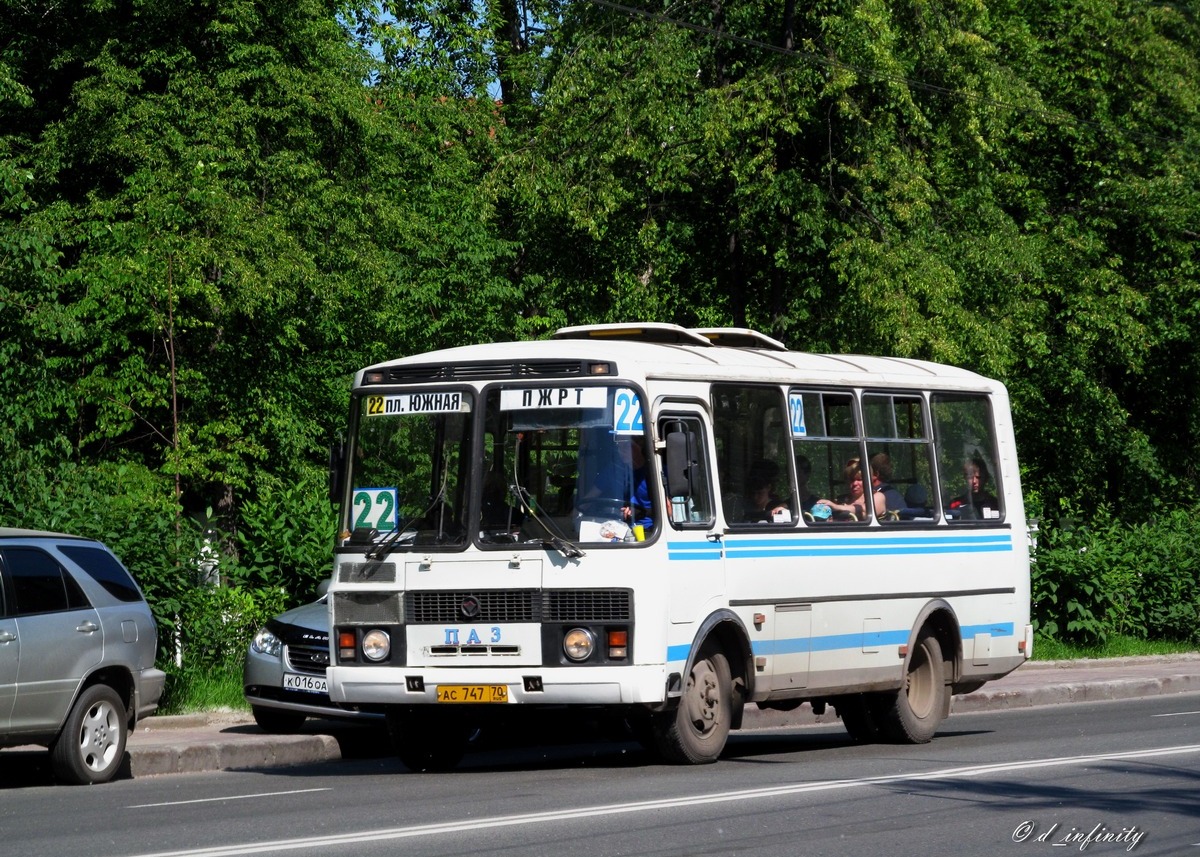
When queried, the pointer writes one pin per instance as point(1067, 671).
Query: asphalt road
point(1016, 781)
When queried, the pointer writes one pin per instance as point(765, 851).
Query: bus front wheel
point(696, 731)
point(427, 742)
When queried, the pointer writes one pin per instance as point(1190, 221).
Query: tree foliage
point(212, 213)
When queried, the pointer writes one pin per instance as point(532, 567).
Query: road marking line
point(384, 834)
point(226, 797)
point(1175, 714)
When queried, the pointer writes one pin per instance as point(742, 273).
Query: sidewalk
point(194, 743)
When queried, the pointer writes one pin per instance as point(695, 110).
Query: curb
point(1071, 692)
point(190, 757)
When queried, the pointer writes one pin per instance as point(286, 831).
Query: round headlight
point(266, 643)
point(578, 644)
point(376, 645)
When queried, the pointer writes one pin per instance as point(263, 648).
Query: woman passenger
point(851, 506)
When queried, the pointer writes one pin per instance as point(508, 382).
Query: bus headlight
point(376, 645)
point(578, 644)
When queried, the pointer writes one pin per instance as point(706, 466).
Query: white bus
point(669, 525)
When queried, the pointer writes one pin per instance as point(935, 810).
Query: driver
point(636, 511)
point(624, 479)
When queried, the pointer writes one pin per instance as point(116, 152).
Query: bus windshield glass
point(409, 468)
point(567, 464)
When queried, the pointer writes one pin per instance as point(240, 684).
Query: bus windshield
point(560, 466)
point(409, 468)
point(565, 464)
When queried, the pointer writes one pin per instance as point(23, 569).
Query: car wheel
point(277, 721)
point(91, 745)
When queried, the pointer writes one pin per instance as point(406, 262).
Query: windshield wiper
point(381, 550)
point(551, 539)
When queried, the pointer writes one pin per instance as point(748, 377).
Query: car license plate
point(310, 683)
point(472, 693)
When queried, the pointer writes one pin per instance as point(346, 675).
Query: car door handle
point(87, 627)
point(6, 637)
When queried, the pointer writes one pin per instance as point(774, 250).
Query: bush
point(1102, 577)
point(279, 550)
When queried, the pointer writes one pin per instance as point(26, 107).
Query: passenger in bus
point(888, 499)
point(762, 504)
point(976, 502)
point(851, 506)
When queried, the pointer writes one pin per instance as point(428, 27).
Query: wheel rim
point(920, 684)
point(704, 698)
point(99, 737)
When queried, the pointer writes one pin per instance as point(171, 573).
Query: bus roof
point(655, 350)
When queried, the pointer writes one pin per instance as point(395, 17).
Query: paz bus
point(668, 525)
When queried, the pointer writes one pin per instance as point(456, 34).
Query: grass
point(217, 689)
point(1045, 649)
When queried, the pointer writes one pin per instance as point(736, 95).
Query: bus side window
point(969, 483)
point(754, 465)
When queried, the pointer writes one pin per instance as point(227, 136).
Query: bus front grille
point(588, 605)
point(481, 605)
point(520, 605)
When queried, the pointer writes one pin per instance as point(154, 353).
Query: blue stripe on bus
point(693, 550)
point(835, 642)
point(760, 548)
point(999, 629)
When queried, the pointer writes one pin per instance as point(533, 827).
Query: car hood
point(314, 616)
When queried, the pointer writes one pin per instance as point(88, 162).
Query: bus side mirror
point(337, 463)
point(681, 458)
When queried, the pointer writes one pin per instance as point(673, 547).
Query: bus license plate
point(472, 693)
point(310, 683)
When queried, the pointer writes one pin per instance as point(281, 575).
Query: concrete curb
point(1070, 692)
point(192, 756)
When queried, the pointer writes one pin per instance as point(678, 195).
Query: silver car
point(284, 672)
point(77, 647)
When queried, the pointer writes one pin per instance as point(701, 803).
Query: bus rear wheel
point(428, 740)
point(918, 708)
point(696, 731)
point(859, 713)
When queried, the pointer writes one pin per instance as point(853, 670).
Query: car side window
point(40, 584)
point(104, 568)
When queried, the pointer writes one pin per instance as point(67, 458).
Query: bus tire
point(696, 731)
point(859, 713)
point(916, 711)
point(426, 742)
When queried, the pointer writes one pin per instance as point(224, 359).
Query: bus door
point(695, 557)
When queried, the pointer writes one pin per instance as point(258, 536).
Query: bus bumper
point(626, 685)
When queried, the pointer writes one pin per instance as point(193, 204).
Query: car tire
point(91, 746)
point(276, 721)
